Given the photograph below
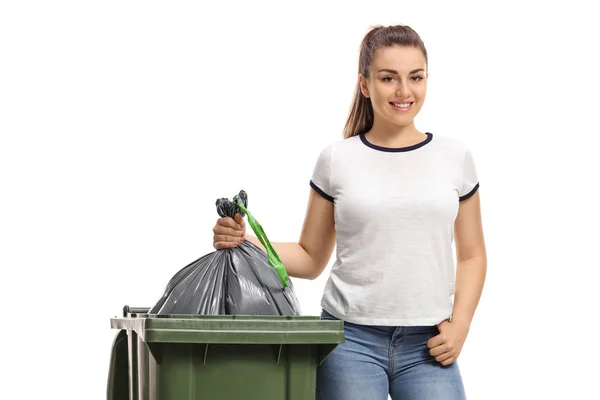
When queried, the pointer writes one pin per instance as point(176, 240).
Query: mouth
point(402, 107)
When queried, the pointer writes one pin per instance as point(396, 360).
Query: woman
point(393, 199)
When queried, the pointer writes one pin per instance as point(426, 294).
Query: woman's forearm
point(470, 277)
point(298, 263)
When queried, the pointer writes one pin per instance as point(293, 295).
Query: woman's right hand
point(229, 232)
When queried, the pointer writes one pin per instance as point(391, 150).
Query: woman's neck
point(393, 135)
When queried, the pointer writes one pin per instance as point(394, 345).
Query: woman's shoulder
point(450, 142)
point(339, 144)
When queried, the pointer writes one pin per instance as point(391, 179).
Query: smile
point(402, 107)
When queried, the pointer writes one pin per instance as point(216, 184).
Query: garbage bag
point(243, 280)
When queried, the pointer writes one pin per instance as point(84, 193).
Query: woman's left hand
point(446, 346)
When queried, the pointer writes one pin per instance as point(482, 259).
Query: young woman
point(393, 199)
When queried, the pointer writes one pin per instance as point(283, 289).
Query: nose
point(402, 90)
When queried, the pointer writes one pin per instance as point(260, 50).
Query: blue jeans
point(376, 361)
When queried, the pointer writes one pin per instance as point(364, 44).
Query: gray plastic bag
point(237, 281)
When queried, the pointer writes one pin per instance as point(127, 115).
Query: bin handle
point(135, 310)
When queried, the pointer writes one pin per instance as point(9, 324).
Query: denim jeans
point(376, 361)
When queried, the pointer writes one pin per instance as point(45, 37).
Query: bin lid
point(233, 329)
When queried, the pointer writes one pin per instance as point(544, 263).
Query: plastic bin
point(224, 357)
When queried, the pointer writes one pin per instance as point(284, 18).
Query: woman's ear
point(363, 85)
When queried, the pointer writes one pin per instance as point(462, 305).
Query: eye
point(417, 78)
point(387, 78)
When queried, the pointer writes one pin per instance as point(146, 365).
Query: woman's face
point(397, 84)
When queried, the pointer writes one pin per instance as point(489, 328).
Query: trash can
point(218, 357)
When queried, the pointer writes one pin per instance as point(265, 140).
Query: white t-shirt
point(394, 219)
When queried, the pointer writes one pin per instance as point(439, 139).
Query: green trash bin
point(223, 357)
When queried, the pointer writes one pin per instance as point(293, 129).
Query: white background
point(123, 121)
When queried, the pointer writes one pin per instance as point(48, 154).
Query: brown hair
point(360, 119)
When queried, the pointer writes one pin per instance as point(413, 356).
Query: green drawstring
point(274, 260)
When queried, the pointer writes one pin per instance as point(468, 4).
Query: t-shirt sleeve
point(321, 176)
point(470, 180)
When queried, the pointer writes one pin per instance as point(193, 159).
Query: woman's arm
point(308, 258)
point(471, 260)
